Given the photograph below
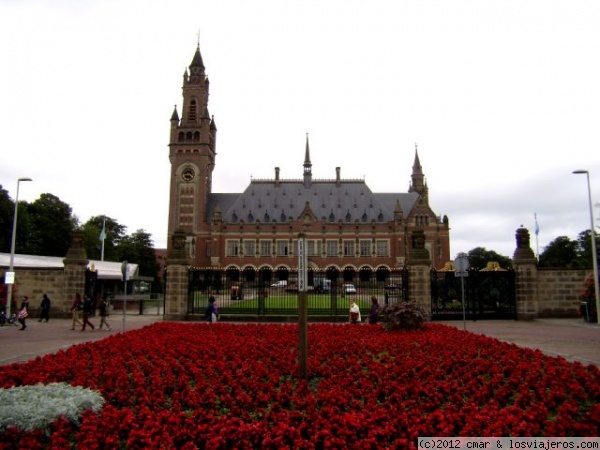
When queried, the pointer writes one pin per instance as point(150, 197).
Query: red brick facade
point(347, 225)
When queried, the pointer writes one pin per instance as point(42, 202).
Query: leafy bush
point(402, 316)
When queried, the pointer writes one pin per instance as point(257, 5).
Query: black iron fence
point(487, 294)
point(267, 292)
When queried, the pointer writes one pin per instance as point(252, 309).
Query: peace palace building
point(347, 226)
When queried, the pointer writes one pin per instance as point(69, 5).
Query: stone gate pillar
point(178, 264)
point(526, 274)
point(75, 264)
point(419, 270)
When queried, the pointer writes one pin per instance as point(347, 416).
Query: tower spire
point(418, 183)
point(307, 165)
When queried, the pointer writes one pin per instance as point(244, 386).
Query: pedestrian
point(23, 312)
point(374, 311)
point(354, 312)
point(212, 310)
point(45, 307)
point(88, 310)
point(104, 307)
point(76, 309)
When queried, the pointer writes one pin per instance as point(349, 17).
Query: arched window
point(192, 111)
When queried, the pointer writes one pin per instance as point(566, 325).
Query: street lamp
point(11, 273)
point(593, 237)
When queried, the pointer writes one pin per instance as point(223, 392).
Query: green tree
point(48, 226)
point(479, 257)
point(561, 252)
point(585, 249)
point(6, 214)
point(114, 231)
point(139, 248)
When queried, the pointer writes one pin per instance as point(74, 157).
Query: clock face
point(188, 174)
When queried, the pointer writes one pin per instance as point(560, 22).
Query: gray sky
point(502, 98)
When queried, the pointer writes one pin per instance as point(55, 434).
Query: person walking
point(212, 310)
point(354, 312)
point(45, 307)
point(374, 311)
point(88, 310)
point(76, 309)
point(23, 313)
point(104, 307)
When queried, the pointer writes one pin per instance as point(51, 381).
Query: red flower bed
point(185, 386)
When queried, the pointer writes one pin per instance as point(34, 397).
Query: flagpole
point(537, 232)
point(102, 237)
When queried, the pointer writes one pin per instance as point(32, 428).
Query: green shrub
point(402, 316)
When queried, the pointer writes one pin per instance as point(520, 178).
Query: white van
point(279, 284)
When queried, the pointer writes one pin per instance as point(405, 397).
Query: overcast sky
point(501, 97)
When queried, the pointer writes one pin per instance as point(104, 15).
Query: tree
point(561, 252)
point(6, 214)
point(585, 249)
point(139, 248)
point(479, 257)
point(114, 231)
point(48, 226)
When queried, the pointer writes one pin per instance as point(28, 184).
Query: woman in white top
point(354, 312)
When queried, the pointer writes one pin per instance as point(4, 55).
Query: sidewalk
point(41, 338)
point(572, 339)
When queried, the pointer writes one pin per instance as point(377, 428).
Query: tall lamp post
point(593, 237)
point(11, 274)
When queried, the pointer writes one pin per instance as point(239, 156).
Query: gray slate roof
point(348, 201)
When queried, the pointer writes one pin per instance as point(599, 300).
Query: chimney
point(276, 176)
point(337, 176)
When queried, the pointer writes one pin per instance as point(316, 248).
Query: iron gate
point(267, 292)
point(488, 295)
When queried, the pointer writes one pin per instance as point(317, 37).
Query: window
point(249, 248)
point(365, 248)
point(233, 247)
point(208, 248)
point(282, 248)
point(383, 247)
point(265, 248)
point(310, 248)
point(192, 110)
point(348, 248)
point(332, 247)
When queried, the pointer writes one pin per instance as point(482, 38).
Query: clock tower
point(192, 155)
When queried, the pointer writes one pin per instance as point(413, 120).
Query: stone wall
point(558, 291)
point(36, 282)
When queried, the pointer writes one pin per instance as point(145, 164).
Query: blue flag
point(103, 232)
point(537, 227)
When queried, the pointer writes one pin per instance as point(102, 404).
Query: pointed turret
point(197, 62)
point(175, 115)
point(418, 183)
point(307, 166)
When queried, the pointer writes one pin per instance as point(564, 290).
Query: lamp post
point(593, 237)
point(11, 273)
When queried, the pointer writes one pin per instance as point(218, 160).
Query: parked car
point(236, 292)
point(322, 286)
point(349, 289)
point(279, 284)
